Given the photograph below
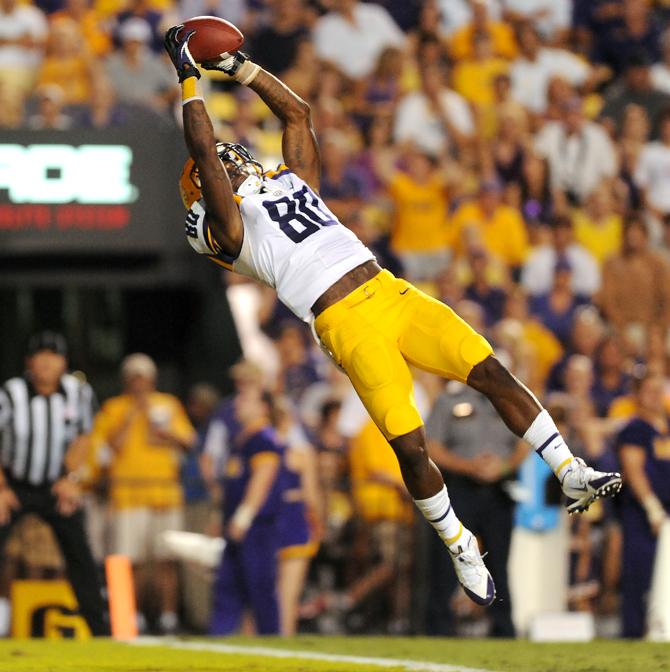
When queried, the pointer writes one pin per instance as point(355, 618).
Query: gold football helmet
point(229, 152)
point(189, 184)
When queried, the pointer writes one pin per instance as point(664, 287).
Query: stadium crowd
point(511, 157)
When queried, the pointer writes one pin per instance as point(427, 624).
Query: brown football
point(213, 36)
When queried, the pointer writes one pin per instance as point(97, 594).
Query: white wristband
point(243, 517)
point(191, 99)
point(654, 508)
point(247, 73)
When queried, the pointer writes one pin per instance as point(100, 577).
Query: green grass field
point(441, 655)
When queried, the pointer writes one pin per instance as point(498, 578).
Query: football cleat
point(471, 570)
point(582, 485)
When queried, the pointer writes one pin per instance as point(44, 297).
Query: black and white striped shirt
point(36, 430)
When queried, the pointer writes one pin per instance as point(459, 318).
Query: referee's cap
point(47, 340)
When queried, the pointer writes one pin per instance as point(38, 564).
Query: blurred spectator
point(341, 183)
point(67, 63)
point(474, 77)
point(230, 10)
point(587, 333)
point(593, 20)
point(579, 152)
point(299, 367)
point(435, 118)
point(275, 45)
point(301, 513)
point(636, 282)
point(552, 18)
point(652, 175)
point(195, 587)
point(634, 88)
point(23, 32)
point(598, 226)
point(538, 271)
point(477, 454)
point(643, 448)
point(636, 35)
point(247, 576)
point(541, 349)
point(490, 297)
point(365, 28)
point(660, 72)
point(419, 233)
point(49, 114)
point(458, 13)
point(536, 202)
point(45, 415)
point(610, 378)
point(377, 95)
point(384, 535)
point(102, 111)
point(508, 151)
point(89, 23)
point(556, 309)
point(404, 12)
point(536, 65)
point(499, 36)
point(146, 431)
point(141, 9)
point(486, 221)
point(223, 424)
point(137, 75)
point(634, 135)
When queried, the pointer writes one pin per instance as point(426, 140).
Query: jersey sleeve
point(197, 230)
point(283, 175)
point(635, 433)
point(264, 448)
point(200, 237)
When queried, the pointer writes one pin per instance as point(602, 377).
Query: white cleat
point(582, 485)
point(471, 570)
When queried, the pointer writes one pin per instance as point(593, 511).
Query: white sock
point(544, 437)
point(437, 510)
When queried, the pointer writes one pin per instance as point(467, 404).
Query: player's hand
point(176, 45)
point(235, 532)
point(68, 496)
point(228, 63)
point(656, 514)
point(8, 503)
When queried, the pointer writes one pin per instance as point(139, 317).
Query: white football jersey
point(292, 241)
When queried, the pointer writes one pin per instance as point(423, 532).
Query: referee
point(44, 416)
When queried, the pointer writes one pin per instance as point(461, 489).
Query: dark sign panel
point(88, 192)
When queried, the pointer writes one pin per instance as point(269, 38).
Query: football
point(213, 36)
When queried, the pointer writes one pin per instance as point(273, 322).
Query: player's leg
point(526, 417)
point(434, 338)
point(227, 599)
point(292, 575)
point(382, 379)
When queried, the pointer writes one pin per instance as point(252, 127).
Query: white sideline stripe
point(266, 652)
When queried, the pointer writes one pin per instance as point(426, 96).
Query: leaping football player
point(273, 226)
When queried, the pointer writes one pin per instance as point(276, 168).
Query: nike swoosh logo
point(404, 291)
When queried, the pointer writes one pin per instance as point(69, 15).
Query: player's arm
point(633, 460)
point(223, 215)
point(299, 144)
point(264, 471)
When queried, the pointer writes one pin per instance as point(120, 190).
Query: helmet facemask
point(244, 165)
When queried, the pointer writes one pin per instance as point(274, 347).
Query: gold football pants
point(380, 327)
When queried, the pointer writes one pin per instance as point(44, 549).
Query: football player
point(273, 226)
